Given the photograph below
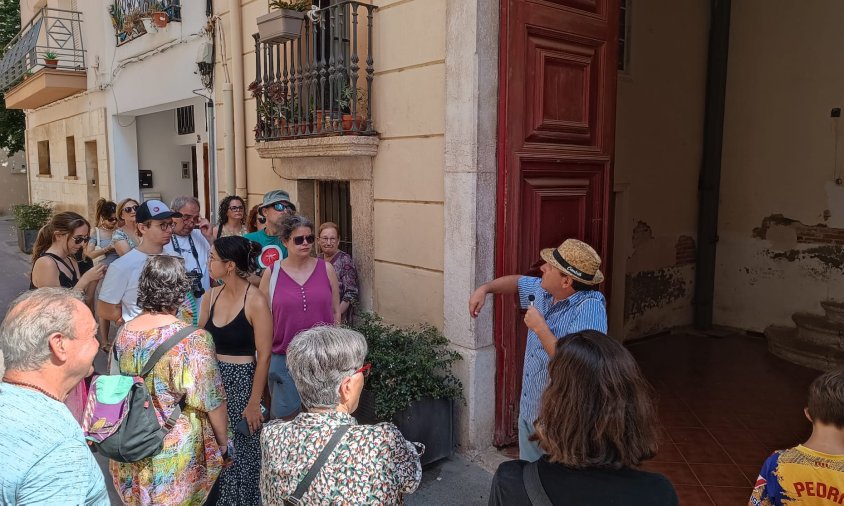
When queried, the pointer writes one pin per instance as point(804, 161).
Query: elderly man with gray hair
point(49, 340)
point(361, 464)
point(192, 240)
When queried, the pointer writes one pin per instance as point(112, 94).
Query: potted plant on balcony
point(149, 24)
point(411, 383)
point(29, 218)
point(51, 59)
point(160, 18)
point(348, 95)
point(284, 21)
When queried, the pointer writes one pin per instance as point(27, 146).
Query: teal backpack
point(119, 419)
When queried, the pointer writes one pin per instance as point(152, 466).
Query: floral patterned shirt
point(372, 464)
point(188, 465)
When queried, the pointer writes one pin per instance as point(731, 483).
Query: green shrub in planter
point(29, 218)
point(408, 364)
point(32, 216)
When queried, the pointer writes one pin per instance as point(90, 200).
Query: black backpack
point(119, 419)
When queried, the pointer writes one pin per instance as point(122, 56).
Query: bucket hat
point(576, 259)
point(274, 197)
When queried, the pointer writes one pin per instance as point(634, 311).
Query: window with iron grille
point(334, 204)
point(184, 120)
point(624, 36)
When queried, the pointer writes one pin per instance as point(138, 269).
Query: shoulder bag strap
point(305, 484)
point(114, 366)
point(157, 355)
point(533, 486)
point(275, 268)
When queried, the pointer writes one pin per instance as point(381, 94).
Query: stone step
point(834, 311)
point(787, 343)
point(816, 329)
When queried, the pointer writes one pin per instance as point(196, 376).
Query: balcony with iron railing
point(319, 84)
point(134, 18)
point(45, 61)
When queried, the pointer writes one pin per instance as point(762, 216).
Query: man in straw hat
point(563, 301)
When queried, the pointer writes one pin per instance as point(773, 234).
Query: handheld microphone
point(531, 298)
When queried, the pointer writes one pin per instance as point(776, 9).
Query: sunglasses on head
point(299, 240)
point(281, 207)
point(130, 209)
point(79, 239)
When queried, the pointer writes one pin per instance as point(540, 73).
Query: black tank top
point(65, 281)
point(236, 338)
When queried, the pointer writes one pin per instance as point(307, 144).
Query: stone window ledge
point(44, 176)
point(340, 145)
point(72, 178)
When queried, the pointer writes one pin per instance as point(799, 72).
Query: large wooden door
point(556, 127)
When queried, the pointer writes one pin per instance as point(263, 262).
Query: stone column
point(470, 204)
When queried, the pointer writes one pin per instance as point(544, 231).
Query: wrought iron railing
point(51, 32)
point(126, 16)
point(321, 82)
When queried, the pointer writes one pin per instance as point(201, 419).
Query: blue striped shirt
point(581, 311)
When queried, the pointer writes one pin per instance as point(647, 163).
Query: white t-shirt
point(120, 285)
point(203, 251)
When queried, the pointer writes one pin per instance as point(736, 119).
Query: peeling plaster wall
point(659, 130)
point(781, 219)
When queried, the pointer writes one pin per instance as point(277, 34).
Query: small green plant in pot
point(51, 59)
point(29, 218)
point(411, 382)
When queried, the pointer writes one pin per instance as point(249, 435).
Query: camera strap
point(192, 249)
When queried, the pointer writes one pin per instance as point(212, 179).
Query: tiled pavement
point(724, 405)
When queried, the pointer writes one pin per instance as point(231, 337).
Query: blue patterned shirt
point(581, 311)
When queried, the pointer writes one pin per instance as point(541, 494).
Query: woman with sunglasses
point(231, 219)
point(102, 247)
point(53, 264)
point(370, 464)
point(126, 237)
point(238, 318)
point(303, 292)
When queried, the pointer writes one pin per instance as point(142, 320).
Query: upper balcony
point(45, 61)
point(134, 18)
point(320, 83)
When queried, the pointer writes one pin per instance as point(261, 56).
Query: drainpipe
point(709, 182)
point(228, 138)
point(239, 84)
point(212, 159)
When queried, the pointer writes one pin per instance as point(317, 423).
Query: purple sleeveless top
point(299, 307)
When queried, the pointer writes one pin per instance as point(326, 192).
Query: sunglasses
point(299, 240)
point(130, 209)
point(366, 370)
point(236, 208)
point(112, 219)
point(281, 207)
point(79, 239)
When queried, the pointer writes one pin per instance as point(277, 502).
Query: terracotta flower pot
point(349, 121)
point(51, 63)
point(160, 19)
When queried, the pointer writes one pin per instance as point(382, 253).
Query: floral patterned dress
point(188, 465)
point(347, 277)
point(372, 464)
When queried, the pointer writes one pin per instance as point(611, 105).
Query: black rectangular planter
point(26, 240)
point(428, 421)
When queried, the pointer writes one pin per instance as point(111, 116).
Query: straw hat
point(576, 259)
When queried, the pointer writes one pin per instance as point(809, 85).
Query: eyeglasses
point(328, 239)
point(301, 239)
point(366, 370)
point(190, 217)
point(281, 207)
point(236, 208)
point(130, 209)
point(79, 239)
point(167, 225)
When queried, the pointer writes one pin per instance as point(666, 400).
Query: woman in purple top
point(303, 292)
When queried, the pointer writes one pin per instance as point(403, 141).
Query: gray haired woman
point(195, 449)
point(371, 464)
